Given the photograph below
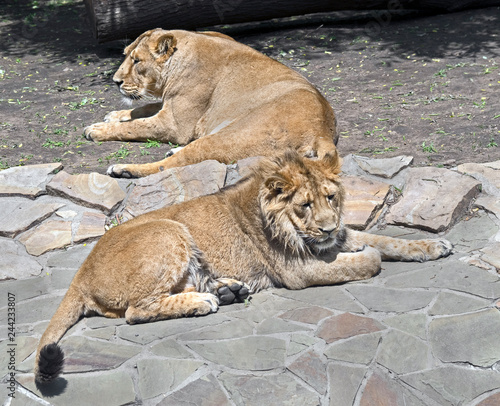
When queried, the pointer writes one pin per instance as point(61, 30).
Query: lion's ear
point(277, 185)
point(332, 162)
point(164, 46)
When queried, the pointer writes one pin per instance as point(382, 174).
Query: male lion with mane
point(279, 227)
point(222, 99)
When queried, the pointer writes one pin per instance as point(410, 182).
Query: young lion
point(222, 99)
point(280, 227)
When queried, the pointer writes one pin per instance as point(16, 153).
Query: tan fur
point(222, 99)
point(280, 227)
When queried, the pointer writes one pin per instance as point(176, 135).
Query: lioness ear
point(164, 47)
point(332, 162)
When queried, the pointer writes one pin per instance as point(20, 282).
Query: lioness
point(280, 227)
point(222, 99)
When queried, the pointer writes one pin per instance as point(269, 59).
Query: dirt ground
point(426, 86)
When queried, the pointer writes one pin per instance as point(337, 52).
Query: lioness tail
point(50, 357)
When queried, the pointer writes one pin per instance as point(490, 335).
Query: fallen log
point(126, 19)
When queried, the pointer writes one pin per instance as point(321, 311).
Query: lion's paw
point(119, 171)
point(205, 303)
point(439, 248)
point(232, 291)
point(96, 132)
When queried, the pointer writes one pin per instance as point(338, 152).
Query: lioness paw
point(439, 248)
point(231, 291)
point(118, 116)
point(205, 303)
point(96, 132)
point(119, 171)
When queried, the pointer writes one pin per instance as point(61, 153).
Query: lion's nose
point(327, 230)
point(118, 82)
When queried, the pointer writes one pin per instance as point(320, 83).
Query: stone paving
point(416, 334)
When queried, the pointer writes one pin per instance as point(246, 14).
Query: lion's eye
point(306, 205)
point(136, 61)
point(330, 197)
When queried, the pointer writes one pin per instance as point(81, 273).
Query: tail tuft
point(50, 363)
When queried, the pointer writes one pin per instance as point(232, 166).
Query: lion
point(280, 226)
point(220, 99)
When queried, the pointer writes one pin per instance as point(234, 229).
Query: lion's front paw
point(119, 171)
point(205, 303)
point(97, 132)
point(439, 248)
point(231, 291)
point(118, 116)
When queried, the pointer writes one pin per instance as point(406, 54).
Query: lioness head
point(140, 75)
point(302, 201)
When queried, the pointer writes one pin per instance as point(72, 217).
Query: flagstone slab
point(413, 324)
point(453, 303)
point(300, 342)
point(360, 349)
point(82, 354)
point(18, 215)
point(489, 203)
point(90, 190)
point(312, 370)
point(471, 338)
point(344, 383)
point(15, 263)
point(433, 199)
point(13, 356)
point(205, 391)
point(72, 258)
point(274, 326)
point(347, 325)
point(363, 199)
point(383, 390)
point(229, 329)
point(91, 226)
point(48, 236)
point(493, 400)
point(115, 387)
point(472, 234)
point(249, 390)
point(309, 315)
point(35, 310)
point(381, 299)
point(453, 385)
point(175, 185)
point(171, 349)
point(491, 255)
point(254, 353)
point(157, 376)
point(28, 181)
point(487, 174)
point(25, 288)
point(403, 353)
point(384, 167)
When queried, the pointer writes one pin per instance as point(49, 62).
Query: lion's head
point(302, 201)
point(142, 72)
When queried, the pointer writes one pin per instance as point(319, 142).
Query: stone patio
point(416, 334)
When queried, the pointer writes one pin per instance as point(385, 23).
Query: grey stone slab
point(147, 333)
point(413, 324)
point(490, 204)
point(491, 400)
point(381, 299)
point(403, 353)
point(105, 333)
point(473, 234)
point(310, 367)
point(18, 215)
point(91, 226)
point(249, 390)
point(452, 303)
point(471, 338)
point(300, 342)
point(15, 263)
point(83, 354)
point(453, 385)
point(72, 258)
point(35, 310)
point(116, 387)
point(175, 185)
point(99, 322)
point(24, 289)
point(59, 278)
point(357, 350)
point(344, 383)
point(170, 349)
point(253, 353)
point(382, 389)
point(22, 400)
point(419, 207)
point(48, 236)
point(229, 329)
point(90, 190)
point(449, 274)
point(310, 315)
point(384, 167)
point(158, 376)
point(14, 352)
point(491, 255)
point(273, 326)
point(331, 297)
point(488, 176)
point(28, 181)
point(205, 391)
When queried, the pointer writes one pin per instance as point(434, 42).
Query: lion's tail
point(50, 357)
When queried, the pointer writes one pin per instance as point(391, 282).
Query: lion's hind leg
point(231, 291)
point(168, 306)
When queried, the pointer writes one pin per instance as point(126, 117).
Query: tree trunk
point(119, 19)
